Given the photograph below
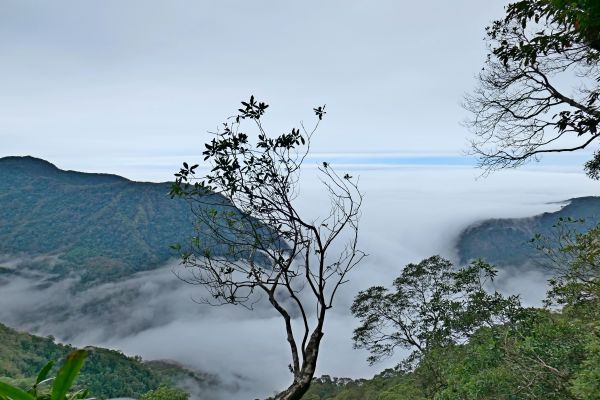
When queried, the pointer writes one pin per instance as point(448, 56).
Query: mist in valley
point(409, 213)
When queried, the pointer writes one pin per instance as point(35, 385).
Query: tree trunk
point(303, 378)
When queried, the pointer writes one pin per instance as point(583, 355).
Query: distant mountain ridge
point(506, 242)
point(36, 166)
point(102, 227)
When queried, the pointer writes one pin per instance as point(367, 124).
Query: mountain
point(106, 373)
point(507, 242)
point(100, 227)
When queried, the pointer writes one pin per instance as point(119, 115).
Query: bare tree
point(538, 91)
point(247, 205)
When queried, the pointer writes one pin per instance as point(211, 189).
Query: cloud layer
point(409, 214)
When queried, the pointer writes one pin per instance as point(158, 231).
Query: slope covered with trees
point(106, 373)
point(536, 353)
point(507, 242)
point(101, 227)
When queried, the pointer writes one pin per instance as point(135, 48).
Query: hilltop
point(99, 227)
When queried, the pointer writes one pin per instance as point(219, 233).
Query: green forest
point(106, 373)
point(96, 227)
point(531, 353)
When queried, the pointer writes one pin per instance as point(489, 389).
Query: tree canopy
point(165, 393)
point(536, 353)
point(539, 88)
point(433, 304)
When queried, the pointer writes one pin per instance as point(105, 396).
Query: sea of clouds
point(409, 213)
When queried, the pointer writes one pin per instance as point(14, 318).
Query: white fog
point(409, 213)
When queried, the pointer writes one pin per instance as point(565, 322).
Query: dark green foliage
point(106, 374)
point(544, 356)
point(66, 375)
point(532, 359)
point(507, 242)
point(380, 387)
point(586, 382)
point(538, 354)
point(60, 386)
point(101, 227)
point(575, 22)
point(576, 266)
point(165, 393)
point(592, 167)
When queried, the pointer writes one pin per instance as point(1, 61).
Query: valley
point(129, 296)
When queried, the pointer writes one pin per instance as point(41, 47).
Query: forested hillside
point(547, 356)
point(507, 242)
point(530, 353)
point(101, 227)
point(106, 373)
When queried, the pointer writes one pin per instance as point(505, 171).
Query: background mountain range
point(508, 242)
point(100, 227)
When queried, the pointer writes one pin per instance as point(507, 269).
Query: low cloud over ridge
point(410, 213)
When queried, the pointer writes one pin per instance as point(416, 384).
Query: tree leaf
point(43, 374)
point(14, 393)
point(67, 374)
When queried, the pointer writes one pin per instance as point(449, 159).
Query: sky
point(134, 87)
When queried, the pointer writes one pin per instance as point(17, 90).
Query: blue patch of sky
point(563, 160)
point(393, 160)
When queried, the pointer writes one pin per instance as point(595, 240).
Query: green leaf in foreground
point(41, 378)
point(43, 374)
point(67, 374)
point(14, 393)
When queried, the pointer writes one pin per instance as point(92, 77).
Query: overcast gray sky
point(132, 87)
